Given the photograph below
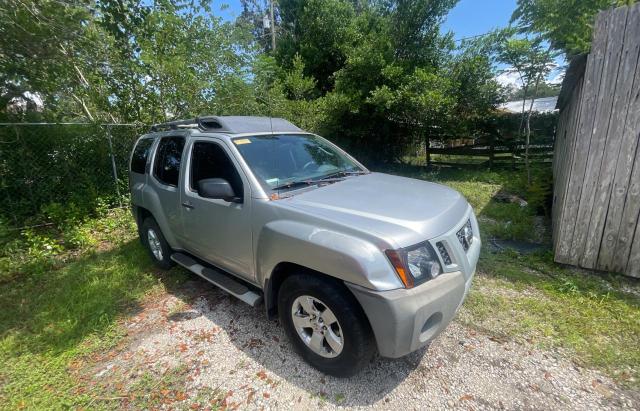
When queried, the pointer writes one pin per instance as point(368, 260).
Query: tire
point(353, 330)
point(157, 247)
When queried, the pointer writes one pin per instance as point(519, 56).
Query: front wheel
point(325, 324)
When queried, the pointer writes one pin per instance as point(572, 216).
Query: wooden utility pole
point(273, 27)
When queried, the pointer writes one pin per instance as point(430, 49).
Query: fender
point(152, 202)
point(330, 252)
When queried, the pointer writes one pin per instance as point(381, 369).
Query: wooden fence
point(596, 207)
point(489, 155)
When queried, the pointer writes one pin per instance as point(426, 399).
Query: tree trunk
point(528, 132)
point(525, 88)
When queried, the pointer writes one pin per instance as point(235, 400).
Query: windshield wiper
point(297, 183)
point(329, 178)
point(344, 173)
point(292, 184)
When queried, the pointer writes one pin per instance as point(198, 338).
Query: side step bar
point(219, 278)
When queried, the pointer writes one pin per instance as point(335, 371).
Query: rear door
point(165, 178)
point(138, 168)
point(216, 230)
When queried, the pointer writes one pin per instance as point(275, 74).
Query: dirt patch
point(214, 351)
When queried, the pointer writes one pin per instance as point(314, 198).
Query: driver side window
point(209, 160)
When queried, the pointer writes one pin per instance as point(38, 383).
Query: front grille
point(465, 235)
point(444, 253)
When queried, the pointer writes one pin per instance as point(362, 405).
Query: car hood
point(402, 211)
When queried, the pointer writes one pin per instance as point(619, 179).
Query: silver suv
point(349, 260)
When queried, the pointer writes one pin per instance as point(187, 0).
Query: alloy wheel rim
point(317, 326)
point(154, 244)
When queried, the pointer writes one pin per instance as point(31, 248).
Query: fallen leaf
point(604, 391)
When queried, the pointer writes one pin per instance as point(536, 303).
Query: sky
point(473, 17)
point(468, 18)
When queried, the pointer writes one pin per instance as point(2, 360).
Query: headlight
point(415, 265)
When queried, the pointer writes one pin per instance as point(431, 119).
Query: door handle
point(187, 204)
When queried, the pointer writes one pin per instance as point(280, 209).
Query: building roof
point(540, 105)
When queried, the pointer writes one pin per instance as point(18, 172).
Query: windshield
point(281, 159)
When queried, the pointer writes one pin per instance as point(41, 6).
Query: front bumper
point(406, 320)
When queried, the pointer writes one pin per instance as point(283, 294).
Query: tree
point(476, 89)
point(565, 24)
point(416, 33)
point(317, 31)
point(39, 42)
point(532, 61)
point(121, 60)
point(377, 75)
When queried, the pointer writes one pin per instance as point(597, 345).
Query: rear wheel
point(325, 324)
point(156, 244)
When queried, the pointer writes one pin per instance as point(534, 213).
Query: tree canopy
point(376, 75)
point(566, 24)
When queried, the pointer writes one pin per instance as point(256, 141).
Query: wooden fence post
point(492, 148)
point(427, 153)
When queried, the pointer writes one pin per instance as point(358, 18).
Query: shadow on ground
point(264, 343)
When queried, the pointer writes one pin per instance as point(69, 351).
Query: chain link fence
point(76, 166)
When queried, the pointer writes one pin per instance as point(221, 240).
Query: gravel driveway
point(230, 355)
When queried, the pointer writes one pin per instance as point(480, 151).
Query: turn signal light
point(398, 264)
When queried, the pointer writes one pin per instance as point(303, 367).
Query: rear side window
point(140, 154)
point(209, 160)
point(168, 158)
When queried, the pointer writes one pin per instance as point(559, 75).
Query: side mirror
point(217, 188)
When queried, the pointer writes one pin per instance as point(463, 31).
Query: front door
point(216, 230)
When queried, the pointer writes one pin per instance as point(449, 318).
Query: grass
point(586, 313)
point(61, 304)
point(65, 290)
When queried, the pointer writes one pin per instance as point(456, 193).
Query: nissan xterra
point(351, 261)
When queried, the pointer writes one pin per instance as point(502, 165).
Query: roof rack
point(202, 123)
point(230, 124)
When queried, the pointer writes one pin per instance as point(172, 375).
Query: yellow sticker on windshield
point(242, 141)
